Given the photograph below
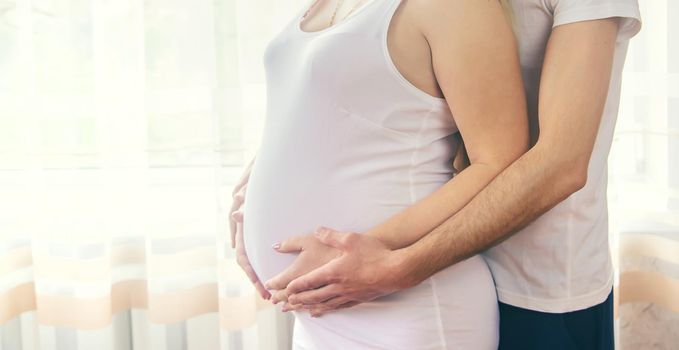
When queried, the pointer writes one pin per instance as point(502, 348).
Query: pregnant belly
point(349, 178)
point(275, 209)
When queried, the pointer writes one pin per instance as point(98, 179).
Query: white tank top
point(348, 142)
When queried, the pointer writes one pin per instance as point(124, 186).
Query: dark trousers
point(591, 328)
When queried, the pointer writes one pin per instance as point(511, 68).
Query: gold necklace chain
point(334, 13)
point(337, 5)
point(348, 13)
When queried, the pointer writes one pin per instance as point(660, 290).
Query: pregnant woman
point(366, 100)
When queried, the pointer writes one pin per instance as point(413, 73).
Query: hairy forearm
point(525, 190)
point(573, 88)
point(414, 222)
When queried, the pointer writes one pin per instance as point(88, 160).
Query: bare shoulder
point(476, 20)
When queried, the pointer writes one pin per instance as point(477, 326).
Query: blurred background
point(124, 125)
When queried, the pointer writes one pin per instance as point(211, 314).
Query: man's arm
point(573, 89)
point(475, 59)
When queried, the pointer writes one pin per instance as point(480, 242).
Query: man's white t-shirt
point(561, 261)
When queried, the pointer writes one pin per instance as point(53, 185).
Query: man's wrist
point(402, 270)
point(377, 234)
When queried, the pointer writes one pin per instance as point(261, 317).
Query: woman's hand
point(236, 226)
point(238, 195)
point(312, 254)
point(244, 263)
point(236, 212)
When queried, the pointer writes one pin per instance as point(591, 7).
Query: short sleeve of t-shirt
point(569, 11)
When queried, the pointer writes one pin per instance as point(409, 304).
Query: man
point(541, 224)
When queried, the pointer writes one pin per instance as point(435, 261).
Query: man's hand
point(244, 263)
point(364, 270)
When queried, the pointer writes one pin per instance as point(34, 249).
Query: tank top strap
point(377, 15)
point(388, 8)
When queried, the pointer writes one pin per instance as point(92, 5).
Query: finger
point(239, 231)
point(242, 183)
point(286, 307)
point(237, 215)
point(238, 186)
point(332, 237)
point(233, 226)
point(316, 311)
point(329, 305)
point(289, 306)
point(279, 295)
point(290, 245)
point(315, 296)
point(314, 279)
point(247, 268)
point(335, 303)
point(237, 203)
point(239, 197)
point(245, 176)
point(262, 291)
point(344, 305)
point(348, 304)
point(252, 276)
point(281, 280)
point(232, 223)
point(244, 263)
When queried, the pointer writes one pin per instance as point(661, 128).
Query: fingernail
point(276, 246)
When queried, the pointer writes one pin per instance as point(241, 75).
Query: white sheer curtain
point(123, 126)
point(644, 184)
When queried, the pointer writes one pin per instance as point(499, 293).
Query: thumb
point(281, 280)
point(330, 237)
point(290, 245)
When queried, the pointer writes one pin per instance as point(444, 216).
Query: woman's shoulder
point(455, 18)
